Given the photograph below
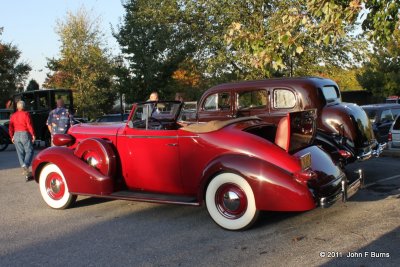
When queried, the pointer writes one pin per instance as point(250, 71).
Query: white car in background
point(394, 135)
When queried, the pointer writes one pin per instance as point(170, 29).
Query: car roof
point(316, 81)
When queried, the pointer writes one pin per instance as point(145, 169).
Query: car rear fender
point(81, 178)
point(274, 189)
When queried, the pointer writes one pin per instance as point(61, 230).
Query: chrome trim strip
point(150, 136)
point(100, 134)
point(158, 136)
point(151, 200)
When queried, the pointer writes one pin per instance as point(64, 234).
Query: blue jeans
point(23, 145)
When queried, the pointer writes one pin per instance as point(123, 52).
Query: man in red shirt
point(22, 135)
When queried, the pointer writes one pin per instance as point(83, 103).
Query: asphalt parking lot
point(365, 231)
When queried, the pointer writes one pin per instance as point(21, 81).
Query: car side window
point(284, 99)
point(386, 115)
point(219, 101)
point(395, 112)
point(252, 99)
point(396, 125)
point(43, 101)
point(29, 100)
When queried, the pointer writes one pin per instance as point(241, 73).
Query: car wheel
point(54, 188)
point(230, 202)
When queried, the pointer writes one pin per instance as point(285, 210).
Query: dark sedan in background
point(382, 117)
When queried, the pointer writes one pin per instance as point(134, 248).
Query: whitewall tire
point(230, 202)
point(54, 188)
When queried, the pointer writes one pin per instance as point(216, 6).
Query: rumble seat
point(282, 136)
point(214, 125)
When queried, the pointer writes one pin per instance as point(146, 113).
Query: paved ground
point(102, 233)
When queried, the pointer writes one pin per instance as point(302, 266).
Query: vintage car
point(39, 103)
point(343, 129)
point(236, 167)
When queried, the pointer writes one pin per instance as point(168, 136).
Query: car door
point(385, 122)
point(150, 159)
point(216, 106)
point(396, 133)
point(252, 102)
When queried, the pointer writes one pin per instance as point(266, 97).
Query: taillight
point(304, 176)
point(390, 136)
point(344, 154)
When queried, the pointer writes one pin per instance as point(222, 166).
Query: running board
point(154, 197)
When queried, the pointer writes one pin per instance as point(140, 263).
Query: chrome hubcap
point(55, 185)
point(231, 200)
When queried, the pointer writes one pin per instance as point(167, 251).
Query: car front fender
point(274, 188)
point(81, 178)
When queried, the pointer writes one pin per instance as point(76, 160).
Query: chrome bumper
point(346, 192)
point(376, 152)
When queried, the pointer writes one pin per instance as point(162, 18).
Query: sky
point(30, 25)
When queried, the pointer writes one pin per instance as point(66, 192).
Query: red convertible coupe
point(236, 167)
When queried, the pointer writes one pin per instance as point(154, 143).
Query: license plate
point(305, 161)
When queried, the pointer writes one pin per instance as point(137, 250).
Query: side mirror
point(130, 124)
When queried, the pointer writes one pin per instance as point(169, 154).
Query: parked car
point(5, 139)
point(39, 103)
point(394, 99)
point(394, 134)
point(343, 129)
point(382, 117)
point(5, 115)
point(235, 167)
point(113, 118)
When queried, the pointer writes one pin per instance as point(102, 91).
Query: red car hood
point(100, 130)
point(96, 128)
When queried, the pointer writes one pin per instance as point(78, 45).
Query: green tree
point(155, 39)
point(32, 85)
point(235, 39)
point(84, 66)
point(12, 72)
point(381, 75)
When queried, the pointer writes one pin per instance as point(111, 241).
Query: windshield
point(149, 113)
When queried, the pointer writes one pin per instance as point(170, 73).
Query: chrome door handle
point(173, 144)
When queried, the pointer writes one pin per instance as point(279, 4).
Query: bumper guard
point(375, 152)
point(346, 192)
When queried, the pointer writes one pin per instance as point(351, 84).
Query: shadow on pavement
point(382, 252)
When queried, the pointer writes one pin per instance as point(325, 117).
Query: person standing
point(23, 136)
point(59, 120)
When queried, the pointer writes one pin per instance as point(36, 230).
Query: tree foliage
point(32, 85)
point(155, 39)
point(381, 75)
point(217, 41)
point(12, 71)
point(84, 64)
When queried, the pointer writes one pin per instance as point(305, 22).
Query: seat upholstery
point(282, 137)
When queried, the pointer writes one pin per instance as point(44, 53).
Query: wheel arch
point(274, 189)
point(79, 175)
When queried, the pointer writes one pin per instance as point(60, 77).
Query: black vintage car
point(39, 103)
